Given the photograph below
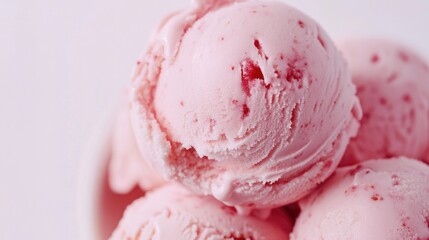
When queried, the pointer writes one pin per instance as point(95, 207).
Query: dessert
point(173, 212)
point(393, 87)
point(245, 107)
point(229, 94)
point(378, 199)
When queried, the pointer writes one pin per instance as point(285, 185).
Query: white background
point(63, 65)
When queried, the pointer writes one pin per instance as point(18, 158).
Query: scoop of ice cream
point(393, 88)
point(127, 168)
point(375, 200)
point(172, 212)
point(248, 101)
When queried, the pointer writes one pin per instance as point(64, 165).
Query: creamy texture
point(393, 88)
point(375, 200)
point(127, 168)
point(248, 101)
point(173, 212)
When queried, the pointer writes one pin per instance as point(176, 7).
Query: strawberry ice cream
point(172, 212)
point(375, 200)
point(127, 168)
point(393, 88)
point(248, 101)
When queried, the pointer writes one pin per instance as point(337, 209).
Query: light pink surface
point(127, 168)
point(228, 102)
point(173, 212)
point(375, 200)
point(393, 88)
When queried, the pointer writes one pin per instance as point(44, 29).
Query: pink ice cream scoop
point(173, 212)
point(393, 88)
point(248, 101)
point(127, 168)
point(375, 200)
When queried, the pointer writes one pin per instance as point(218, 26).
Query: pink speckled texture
point(229, 95)
point(393, 87)
point(127, 168)
point(173, 212)
point(375, 200)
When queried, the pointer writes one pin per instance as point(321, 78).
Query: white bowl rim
point(90, 179)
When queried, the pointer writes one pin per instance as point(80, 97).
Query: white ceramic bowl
point(90, 180)
point(99, 209)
